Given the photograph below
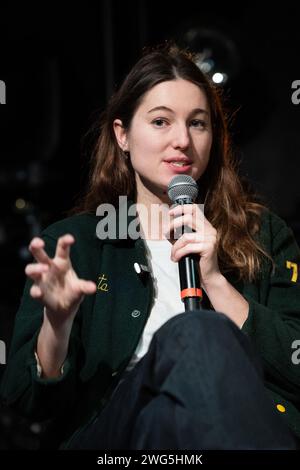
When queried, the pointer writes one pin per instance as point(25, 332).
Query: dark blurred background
point(61, 63)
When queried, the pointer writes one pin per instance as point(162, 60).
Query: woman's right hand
point(56, 284)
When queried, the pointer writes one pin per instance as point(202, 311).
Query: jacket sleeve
point(274, 324)
point(21, 386)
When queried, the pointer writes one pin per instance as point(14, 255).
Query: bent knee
point(198, 323)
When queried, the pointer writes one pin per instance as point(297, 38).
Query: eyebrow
point(165, 108)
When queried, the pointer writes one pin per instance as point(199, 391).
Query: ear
point(121, 134)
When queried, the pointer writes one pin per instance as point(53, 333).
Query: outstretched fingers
point(63, 246)
point(55, 281)
point(36, 270)
point(36, 247)
point(87, 287)
point(36, 292)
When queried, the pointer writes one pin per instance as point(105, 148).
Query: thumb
point(87, 287)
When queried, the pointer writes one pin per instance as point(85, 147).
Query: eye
point(198, 123)
point(159, 122)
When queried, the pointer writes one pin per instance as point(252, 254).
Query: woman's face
point(170, 134)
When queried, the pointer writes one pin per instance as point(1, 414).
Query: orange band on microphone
point(191, 292)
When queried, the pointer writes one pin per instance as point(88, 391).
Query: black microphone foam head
point(182, 187)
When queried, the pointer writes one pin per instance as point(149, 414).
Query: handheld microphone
point(182, 190)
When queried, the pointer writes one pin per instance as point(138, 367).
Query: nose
point(181, 136)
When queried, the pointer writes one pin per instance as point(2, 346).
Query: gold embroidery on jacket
point(294, 267)
point(102, 285)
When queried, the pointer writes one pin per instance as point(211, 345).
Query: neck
point(153, 213)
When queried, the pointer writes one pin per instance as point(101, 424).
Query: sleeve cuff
point(39, 370)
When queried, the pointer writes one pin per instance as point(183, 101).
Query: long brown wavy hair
point(231, 208)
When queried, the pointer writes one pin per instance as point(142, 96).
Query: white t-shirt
point(167, 301)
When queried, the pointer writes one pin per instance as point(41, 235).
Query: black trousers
point(200, 386)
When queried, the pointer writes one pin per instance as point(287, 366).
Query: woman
point(81, 354)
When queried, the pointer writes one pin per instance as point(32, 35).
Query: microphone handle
point(192, 303)
point(190, 286)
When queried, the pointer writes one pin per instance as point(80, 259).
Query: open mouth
point(179, 166)
point(178, 163)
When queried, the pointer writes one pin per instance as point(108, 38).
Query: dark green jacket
point(109, 324)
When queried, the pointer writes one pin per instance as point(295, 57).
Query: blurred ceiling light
point(217, 53)
point(219, 77)
point(20, 203)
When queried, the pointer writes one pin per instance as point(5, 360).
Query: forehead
point(174, 94)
